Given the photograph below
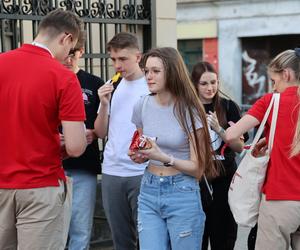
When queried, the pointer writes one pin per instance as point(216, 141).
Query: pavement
point(241, 243)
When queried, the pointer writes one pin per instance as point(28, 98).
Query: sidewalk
point(241, 243)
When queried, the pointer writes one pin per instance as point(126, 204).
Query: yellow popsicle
point(116, 77)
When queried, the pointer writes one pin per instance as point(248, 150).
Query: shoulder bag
point(244, 193)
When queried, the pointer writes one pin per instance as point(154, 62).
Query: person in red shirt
point(37, 94)
point(279, 213)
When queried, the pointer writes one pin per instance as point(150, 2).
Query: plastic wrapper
point(140, 141)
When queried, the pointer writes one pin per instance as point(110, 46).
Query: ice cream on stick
point(115, 78)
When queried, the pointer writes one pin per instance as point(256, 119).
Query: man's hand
point(104, 93)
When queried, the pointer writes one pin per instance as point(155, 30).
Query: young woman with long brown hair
point(220, 227)
point(170, 214)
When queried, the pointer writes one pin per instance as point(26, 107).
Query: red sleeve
point(71, 105)
point(259, 108)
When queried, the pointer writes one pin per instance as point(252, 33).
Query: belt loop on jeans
point(150, 177)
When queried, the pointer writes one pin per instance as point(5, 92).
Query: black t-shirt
point(90, 159)
point(232, 114)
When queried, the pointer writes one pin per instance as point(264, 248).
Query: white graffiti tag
point(252, 77)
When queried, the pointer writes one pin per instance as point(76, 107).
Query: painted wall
point(210, 51)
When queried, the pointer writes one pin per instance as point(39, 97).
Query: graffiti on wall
point(255, 77)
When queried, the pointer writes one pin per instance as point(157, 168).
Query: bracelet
point(171, 162)
point(221, 130)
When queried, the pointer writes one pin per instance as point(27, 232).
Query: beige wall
point(197, 30)
point(165, 24)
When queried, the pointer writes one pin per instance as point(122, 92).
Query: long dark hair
point(198, 70)
point(187, 103)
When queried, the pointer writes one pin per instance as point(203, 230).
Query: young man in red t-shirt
point(37, 94)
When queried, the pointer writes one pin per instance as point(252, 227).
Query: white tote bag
point(244, 193)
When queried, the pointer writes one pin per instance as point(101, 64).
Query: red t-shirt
point(36, 93)
point(283, 176)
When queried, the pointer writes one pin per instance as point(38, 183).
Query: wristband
point(171, 162)
point(221, 130)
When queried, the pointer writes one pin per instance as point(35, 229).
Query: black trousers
point(220, 226)
point(252, 238)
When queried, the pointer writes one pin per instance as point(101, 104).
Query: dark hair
point(58, 21)
point(123, 40)
point(187, 104)
point(198, 70)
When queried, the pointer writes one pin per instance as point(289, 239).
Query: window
point(191, 51)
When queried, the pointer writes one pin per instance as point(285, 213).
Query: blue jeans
point(83, 204)
point(170, 214)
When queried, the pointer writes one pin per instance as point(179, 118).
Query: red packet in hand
point(140, 141)
point(135, 141)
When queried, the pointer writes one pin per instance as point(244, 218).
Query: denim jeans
point(83, 204)
point(170, 214)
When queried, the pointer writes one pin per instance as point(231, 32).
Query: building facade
point(240, 37)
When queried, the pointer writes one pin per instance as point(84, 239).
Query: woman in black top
point(220, 227)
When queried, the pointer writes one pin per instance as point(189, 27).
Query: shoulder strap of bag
point(274, 121)
point(275, 100)
point(209, 187)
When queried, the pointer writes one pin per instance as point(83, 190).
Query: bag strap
point(274, 121)
point(209, 187)
point(274, 101)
